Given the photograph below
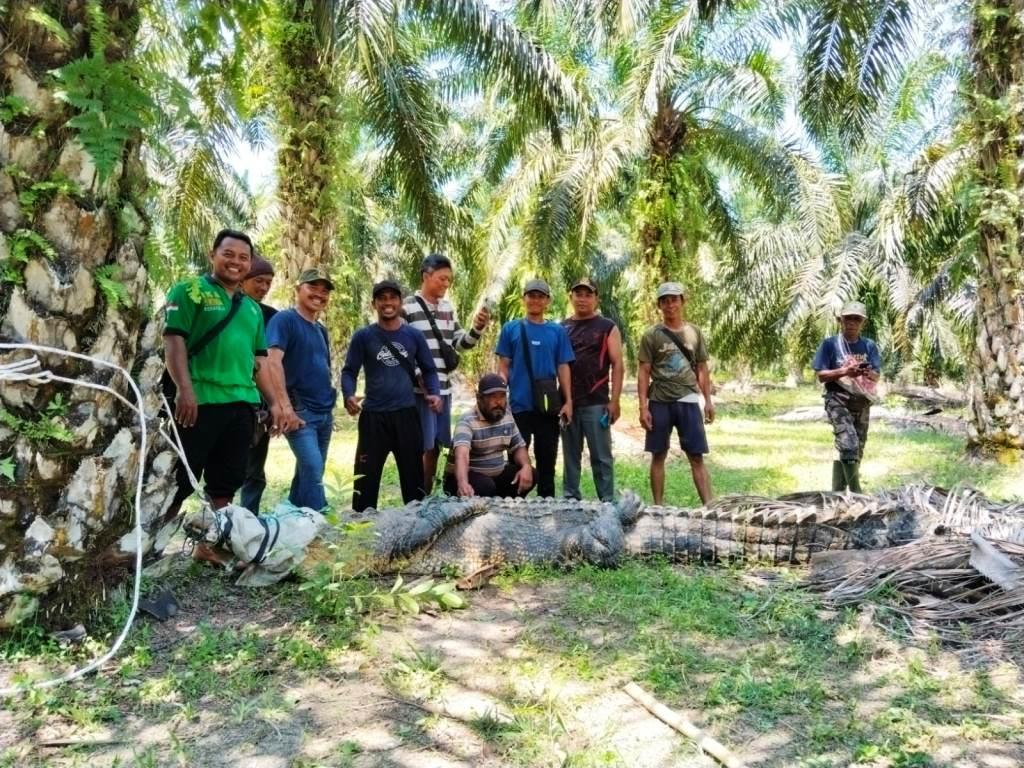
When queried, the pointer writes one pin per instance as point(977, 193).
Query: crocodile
point(442, 534)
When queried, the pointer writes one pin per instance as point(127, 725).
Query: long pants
point(255, 483)
point(541, 430)
point(310, 444)
point(381, 433)
point(850, 417)
point(502, 485)
point(586, 425)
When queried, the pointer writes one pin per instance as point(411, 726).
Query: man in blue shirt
point(533, 400)
point(389, 352)
point(848, 365)
point(300, 348)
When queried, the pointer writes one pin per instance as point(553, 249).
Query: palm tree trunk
point(997, 386)
point(307, 113)
point(661, 242)
point(73, 451)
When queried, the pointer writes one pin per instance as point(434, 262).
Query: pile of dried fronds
point(965, 582)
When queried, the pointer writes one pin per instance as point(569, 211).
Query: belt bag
point(547, 399)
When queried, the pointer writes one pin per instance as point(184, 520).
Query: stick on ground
point(677, 721)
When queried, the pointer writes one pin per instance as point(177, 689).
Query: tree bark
point(307, 112)
point(997, 112)
point(73, 451)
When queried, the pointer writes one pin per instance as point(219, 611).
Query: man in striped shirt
point(484, 439)
point(426, 305)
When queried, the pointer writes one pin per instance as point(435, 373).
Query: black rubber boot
point(852, 471)
point(838, 476)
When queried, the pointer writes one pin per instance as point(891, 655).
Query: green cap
point(853, 309)
point(315, 275)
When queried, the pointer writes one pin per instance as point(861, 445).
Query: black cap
point(386, 285)
point(490, 383)
point(435, 261)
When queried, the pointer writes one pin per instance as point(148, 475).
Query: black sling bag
point(448, 353)
point(167, 385)
point(547, 399)
point(682, 347)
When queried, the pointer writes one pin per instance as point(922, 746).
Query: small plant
point(12, 107)
point(8, 468)
point(42, 192)
point(50, 426)
point(108, 278)
point(23, 244)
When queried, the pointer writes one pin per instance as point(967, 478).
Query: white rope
point(28, 370)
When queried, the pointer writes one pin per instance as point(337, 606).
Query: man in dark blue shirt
point(389, 351)
point(300, 348)
point(848, 365)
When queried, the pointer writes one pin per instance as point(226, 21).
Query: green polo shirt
point(223, 371)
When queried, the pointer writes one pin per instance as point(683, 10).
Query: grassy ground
point(531, 673)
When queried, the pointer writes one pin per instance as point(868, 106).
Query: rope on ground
point(679, 723)
point(29, 370)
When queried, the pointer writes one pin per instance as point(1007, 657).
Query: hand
point(352, 406)
point(465, 489)
point(434, 403)
point(283, 420)
point(186, 409)
point(524, 478)
point(613, 411)
point(565, 414)
point(854, 370)
point(481, 319)
point(709, 411)
point(645, 418)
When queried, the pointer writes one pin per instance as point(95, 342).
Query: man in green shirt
point(671, 376)
point(217, 391)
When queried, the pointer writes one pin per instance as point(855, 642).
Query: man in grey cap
point(848, 364)
point(256, 286)
point(533, 357)
point(485, 439)
point(671, 377)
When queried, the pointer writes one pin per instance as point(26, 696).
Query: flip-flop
point(160, 605)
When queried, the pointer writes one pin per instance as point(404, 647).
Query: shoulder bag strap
point(682, 347)
point(214, 332)
point(405, 362)
point(526, 349)
point(430, 319)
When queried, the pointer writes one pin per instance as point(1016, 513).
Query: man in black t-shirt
point(256, 286)
point(597, 344)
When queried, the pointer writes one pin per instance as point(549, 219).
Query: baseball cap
point(584, 282)
point(490, 383)
point(538, 285)
point(387, 285)
point(853, 308)
point(671, 289)
point(260, 266)
point(315, 275)
point(435, 261)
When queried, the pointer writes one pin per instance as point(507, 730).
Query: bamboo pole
point(679, 722)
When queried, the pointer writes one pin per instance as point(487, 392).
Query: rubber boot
point(852, 471)
point(838, 476)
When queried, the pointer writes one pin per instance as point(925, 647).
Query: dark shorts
point(688, 421)
point(217, 448)
point(437, 427)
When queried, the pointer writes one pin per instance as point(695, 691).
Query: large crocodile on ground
point(448, 535)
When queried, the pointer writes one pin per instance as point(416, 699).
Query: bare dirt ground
point(231, 681)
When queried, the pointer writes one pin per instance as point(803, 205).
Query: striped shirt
point(489, 444)
point(447, 324)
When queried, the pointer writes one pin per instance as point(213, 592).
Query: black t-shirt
point(590, 369)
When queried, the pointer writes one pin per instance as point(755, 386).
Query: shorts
point(688, 421)
point(437, 427)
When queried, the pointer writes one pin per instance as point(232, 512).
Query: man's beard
point(494, 415)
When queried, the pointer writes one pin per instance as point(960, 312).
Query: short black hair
point(435, 261)
point(234, 234)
